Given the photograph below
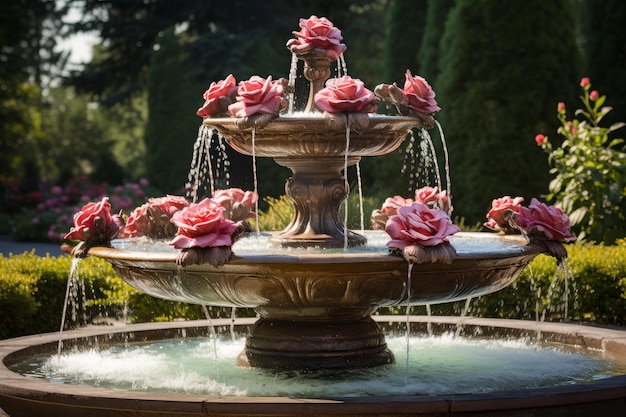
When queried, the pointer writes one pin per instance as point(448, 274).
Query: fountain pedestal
point(311, 345)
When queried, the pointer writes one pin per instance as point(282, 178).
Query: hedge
point(32, 291)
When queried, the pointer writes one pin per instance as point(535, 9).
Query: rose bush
point(418, 224)
point(589, 168)
point(258, 95)
point(319, 33)
point(345, 94)
point(203, 225)
point(218, 97)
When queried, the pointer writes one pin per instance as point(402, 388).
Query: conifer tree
point(407, 19)
point(428, 56)
point(504, 66)
point(172, 123)
point(605, 53)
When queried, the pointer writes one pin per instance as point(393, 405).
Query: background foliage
point(498, 69)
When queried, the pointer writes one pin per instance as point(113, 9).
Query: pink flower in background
point(420, 94)
point(345, 94)
point(258, 95)
point(495, 217)
point(217, 98)
point(584, 82)
point(392, 204)
point(541, 220)
point(152, 219)
point(319, 33)
point(202, 225)
point(420, 225)
point(540, 139)
point(94, 222)
point(433, 198)
point(238, 204)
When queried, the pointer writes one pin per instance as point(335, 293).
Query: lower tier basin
point(22, 396)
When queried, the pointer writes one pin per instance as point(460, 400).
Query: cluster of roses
point(203, 231)
point(419, 228)
point(538, 220)
point(344, 94)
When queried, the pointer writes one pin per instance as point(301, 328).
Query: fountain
point(316, 292)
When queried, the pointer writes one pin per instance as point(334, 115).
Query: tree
point(407, 19)
point(604, 42)
point(503, 67)
point(428, 56)
point(29, 62)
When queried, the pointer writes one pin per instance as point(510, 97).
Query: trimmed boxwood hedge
point(32, 291)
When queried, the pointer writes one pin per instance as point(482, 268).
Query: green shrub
point(596, 288)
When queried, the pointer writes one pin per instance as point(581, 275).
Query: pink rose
point(345, 94)
point(258, 95)
point(541, 220)
point(153, 218)
point(392, 204)
point(317, 33)
point(218, 97)
point(95, 223)
point(238, 204)
point(432, 197)
point(540, 139)
point(420, 94)
point(202, 225)
point(169, 204)
point(495, 216)
point(420, 225)
point(137, 223)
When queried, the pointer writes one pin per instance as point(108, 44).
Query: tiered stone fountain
point(315, 306)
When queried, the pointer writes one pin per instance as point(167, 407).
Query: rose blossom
point(94, 222)
point(238, 204)
point(432, 197)
point(258, 95)
point(392, 204)
point(540, 139)
point(420, 94)
point(153, 218)
point(345, 94)
point(541, 220)
point(317, 33)
point(420, 225)
point(215, 96)
point(495, 216)
point(202, 225)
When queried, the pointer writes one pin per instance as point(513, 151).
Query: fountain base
point(302, 345)
point(28, 397)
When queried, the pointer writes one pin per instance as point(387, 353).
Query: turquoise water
point(438, 365)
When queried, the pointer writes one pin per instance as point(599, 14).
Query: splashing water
point(558, 295)
point(408, 319)
point(72, 283)
point(256, 182)
point(293, 73)
point(202, 167)
point(346, 185)
point(360, 185)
